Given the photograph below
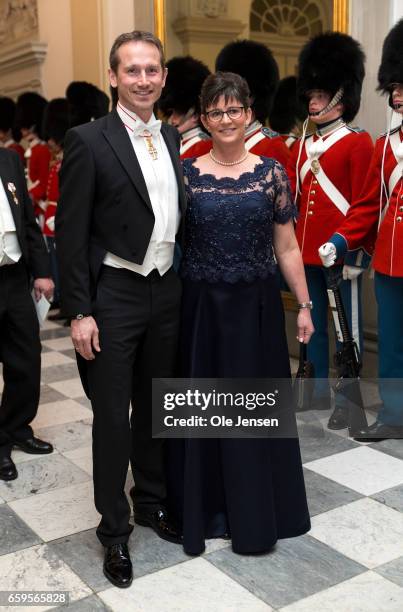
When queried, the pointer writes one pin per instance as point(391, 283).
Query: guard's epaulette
point(395, 129)
point(356, 129)
point(269, 133)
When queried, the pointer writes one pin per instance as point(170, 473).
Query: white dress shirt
point(10, 251)
point(162, 189)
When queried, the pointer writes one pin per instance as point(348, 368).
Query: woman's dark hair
point(227, 84)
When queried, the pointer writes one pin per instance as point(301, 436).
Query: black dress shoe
point(159, 521)
point(8, 471)
point(338, 418)
point(118, 566)
point(379, 431)
point(34, 446)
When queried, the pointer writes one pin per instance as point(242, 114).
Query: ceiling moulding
point(22, 55)
point(205, 29)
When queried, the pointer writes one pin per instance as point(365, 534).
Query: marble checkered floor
point(351, 561)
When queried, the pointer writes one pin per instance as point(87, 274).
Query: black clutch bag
point(304, 382)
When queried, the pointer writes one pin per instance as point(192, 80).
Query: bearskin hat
point(29, 111)
point(330, 61)
point(287, 109)
point(256, 64)
point(7, 113)
point(183, 85)
point(87, 102)
point(391, 68)
point(56, 120)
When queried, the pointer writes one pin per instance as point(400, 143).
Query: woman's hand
point(304, 325)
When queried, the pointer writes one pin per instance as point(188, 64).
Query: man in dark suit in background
point(121, 202)
point(22, 254)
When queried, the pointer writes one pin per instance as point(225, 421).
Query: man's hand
point(44, 286)
point(85, 337)
point(328, 254)
point(351, 272)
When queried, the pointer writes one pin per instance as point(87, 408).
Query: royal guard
point(287, 114)
point(381, 206)
point(256, 64)
point(56, 121)
point(7, 116)
point(28, 120)
point(180, 104)
point(86, 101)
point(327, 171)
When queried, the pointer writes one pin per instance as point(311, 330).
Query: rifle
point(347, 360)
point(304, 382)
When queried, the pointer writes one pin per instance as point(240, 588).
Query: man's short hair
point(135, 36)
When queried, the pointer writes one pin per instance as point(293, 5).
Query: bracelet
point(308, 305)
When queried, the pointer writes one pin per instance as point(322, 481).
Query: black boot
point(338, 418)
point(378, 432)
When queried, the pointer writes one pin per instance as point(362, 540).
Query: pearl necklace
point(225, 163)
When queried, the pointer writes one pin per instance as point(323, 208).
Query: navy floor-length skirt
point(251, 489)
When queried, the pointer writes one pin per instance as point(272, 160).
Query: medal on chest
point(148, 139)
point(12, 190)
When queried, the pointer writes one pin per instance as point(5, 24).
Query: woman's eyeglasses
point(216, 115)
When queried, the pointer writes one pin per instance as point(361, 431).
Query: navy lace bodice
point(229, 222)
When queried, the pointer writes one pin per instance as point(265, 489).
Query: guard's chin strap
point(333, 102)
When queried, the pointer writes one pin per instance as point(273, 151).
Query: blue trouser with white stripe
point(318, 347)
point(389, 296)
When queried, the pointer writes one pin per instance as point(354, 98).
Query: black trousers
point(20, 353)
point(138, 320)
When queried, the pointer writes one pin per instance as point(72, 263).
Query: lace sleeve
point(284, 207)
point(186, 164)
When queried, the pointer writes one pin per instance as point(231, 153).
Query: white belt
point(253, 140)
point(335, 196)
point(192, 141)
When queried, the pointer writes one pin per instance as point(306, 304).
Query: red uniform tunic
point(388, 255)
point(14, 146)
point(268, 143)
point(52, 197)
point(195, 143)
point(290, 140)
point(38, 160)
point(345, 165)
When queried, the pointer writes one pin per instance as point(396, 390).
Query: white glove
point(328, 254)
point(351, 272)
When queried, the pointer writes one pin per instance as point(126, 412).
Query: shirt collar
point(197, 131)
point(131, 120)
point(253, 127)
point(329, 127)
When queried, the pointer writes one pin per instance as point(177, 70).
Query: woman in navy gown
point(239, 222)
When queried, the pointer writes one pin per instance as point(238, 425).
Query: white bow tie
point(316, 148)
point(399, 151)
point(153, 128)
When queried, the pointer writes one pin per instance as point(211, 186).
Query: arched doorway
point(285, 25)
